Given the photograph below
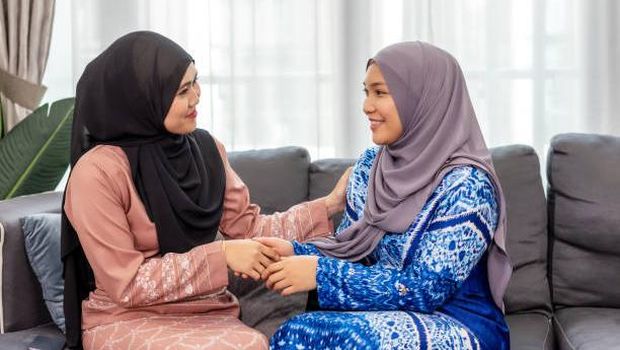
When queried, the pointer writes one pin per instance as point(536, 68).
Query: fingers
point(288, 291)
point(270, 253)
point(268, 241)
point(271, 269)
point(281, 284)
point(254, 274)
point(274, 278)
point(264, 261)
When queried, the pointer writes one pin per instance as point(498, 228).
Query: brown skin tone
point(245, 257)
point(293, 274)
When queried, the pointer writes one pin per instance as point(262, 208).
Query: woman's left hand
point(292, 274)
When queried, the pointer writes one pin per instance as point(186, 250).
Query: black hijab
point(122, 99)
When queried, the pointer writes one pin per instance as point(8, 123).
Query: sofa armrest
point(22, 305)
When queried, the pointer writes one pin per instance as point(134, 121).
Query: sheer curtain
point(289, 72)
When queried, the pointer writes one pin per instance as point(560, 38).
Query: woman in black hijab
point(146, 197)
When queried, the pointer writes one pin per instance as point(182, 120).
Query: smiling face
point(380, 108)
point(181, 117)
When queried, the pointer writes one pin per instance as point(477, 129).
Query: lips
point(192, 115)
point(375, 123)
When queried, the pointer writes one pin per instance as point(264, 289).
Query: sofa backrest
point(518, 169)
point(277, 178)
point(324, 174)
point(584, 208)
point(22, 301)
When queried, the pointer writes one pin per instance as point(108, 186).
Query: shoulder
point(102, 165)
point(467, 177)
point(367, 158)
point(465, 189)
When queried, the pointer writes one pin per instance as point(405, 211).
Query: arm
point(96, 205)
point(351, 206)
point(242, 219)
point(448, 250)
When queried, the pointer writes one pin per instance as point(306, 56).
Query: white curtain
point(282, 72)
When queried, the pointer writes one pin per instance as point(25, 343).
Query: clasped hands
point(272, 260)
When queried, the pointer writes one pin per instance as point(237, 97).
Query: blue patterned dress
point(426, 288)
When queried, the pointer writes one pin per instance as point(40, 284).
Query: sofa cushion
point(519, 174)
point(44, 337)
point(22, 302)
point(584, 207)
point(585, 328)
point(277, 178)
point(530, 331)
point(324, 174)
point(42, 241)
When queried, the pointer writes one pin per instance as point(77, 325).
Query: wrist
point(332, 206)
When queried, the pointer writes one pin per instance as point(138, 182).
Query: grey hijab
point(440, 132)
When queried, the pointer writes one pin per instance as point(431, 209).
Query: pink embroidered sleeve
point(97, 205)
point(242, 219)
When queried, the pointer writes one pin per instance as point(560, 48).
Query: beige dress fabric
point(177, 301)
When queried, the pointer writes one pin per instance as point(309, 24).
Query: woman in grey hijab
point(420, 253)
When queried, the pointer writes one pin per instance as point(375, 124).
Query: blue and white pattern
point(427, 287)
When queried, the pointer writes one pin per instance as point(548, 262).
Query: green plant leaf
point(1, 121)
point(35, 153)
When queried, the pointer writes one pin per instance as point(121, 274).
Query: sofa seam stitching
point(564, 334)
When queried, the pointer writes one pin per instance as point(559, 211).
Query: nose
point(368, 107)
point(196, 90)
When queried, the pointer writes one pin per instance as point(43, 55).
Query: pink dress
point(144, 300)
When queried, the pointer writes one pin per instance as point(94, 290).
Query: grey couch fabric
point(530, 331)
point(585, 328)
point(584, 215)
point(277, 179)
point(584, 208)
point(584, 198)
point(323, 177)
point(22, 302)
point(43, 337)
point(519, 173)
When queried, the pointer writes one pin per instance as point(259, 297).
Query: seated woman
point(147, 194)
point(418, 261)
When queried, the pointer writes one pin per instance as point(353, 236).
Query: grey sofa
point(565, 246)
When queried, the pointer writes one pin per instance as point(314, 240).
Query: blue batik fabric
point(425, 288)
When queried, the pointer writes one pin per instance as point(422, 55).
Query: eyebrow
point(375, 84)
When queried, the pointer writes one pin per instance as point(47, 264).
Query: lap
point(373, 330)
point(175, 332)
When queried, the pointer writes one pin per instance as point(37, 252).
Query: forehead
point(190, 72)
point(374, 75)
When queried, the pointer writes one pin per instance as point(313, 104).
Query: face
point(181, 117)
point(380, 108)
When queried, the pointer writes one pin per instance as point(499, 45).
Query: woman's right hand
point(248, 257)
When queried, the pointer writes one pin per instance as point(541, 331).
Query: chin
point(379, 140)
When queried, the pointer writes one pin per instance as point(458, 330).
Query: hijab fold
point(440, 132)
point(122, 99)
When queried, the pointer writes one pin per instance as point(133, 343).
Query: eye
point(381, 93)
point(365, 91)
